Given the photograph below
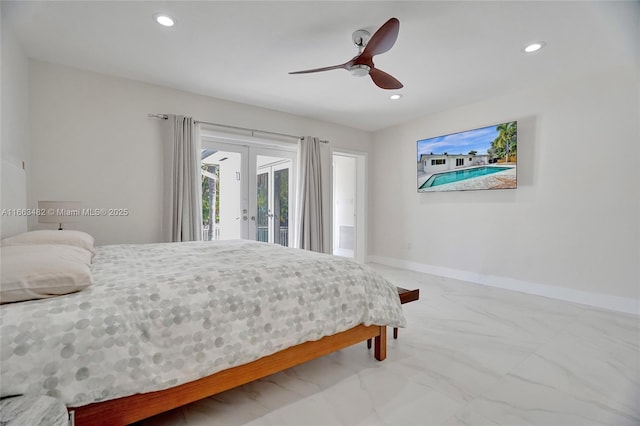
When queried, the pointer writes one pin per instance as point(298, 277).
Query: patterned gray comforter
point(160, 315)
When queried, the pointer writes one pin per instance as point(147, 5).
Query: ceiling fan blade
point(382, 40)
point(384, 80)
point(333, 67)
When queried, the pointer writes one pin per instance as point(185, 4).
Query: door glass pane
point(221, 194)
point(262, 189)
point(281, 206)
point(273, 198)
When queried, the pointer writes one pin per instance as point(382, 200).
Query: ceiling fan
point(362, 64)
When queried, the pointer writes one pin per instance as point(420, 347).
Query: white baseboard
point(605, 301)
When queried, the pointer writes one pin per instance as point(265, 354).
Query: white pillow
point(38, 271)
point(50, 236)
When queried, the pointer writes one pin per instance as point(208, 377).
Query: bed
point(164, 325)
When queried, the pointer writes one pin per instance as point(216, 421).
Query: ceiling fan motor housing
point(360, 70)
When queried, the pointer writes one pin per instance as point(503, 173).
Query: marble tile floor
point(471, 355)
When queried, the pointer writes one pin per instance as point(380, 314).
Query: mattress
point(159, 315)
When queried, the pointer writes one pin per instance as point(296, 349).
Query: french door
point(248, 192)
point(273, 199)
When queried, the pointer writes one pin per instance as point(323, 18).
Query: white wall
point(92, 141)
point(15, 131)
point(570, 230)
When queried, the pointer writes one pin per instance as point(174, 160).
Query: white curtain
point(182, 189)
point(313, 224)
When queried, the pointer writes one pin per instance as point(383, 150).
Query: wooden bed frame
point(126, 410)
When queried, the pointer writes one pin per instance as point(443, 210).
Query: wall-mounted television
point(484, 158)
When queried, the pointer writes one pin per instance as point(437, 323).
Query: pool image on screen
point(484, 158)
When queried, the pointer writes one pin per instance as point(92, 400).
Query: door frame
point(360, 202)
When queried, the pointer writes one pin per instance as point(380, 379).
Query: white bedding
point(159, 315)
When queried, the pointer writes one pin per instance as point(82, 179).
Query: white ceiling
point(447, 54)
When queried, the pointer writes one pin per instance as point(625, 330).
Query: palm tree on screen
point(506, 140)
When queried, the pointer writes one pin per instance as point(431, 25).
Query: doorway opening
point(349, 198)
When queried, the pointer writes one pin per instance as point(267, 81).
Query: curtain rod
point(165, 116)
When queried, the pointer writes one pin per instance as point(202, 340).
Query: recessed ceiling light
point(534, 47)
point(395, 96)
point(164, 20)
